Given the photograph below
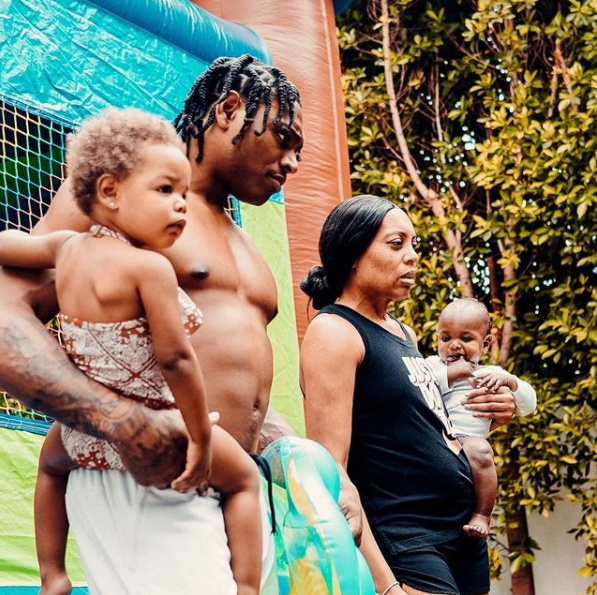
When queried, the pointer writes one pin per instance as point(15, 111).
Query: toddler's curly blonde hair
point(111, 143)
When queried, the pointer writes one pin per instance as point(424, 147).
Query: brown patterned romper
point(119, 355)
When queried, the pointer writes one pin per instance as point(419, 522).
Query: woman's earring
point(112, 204)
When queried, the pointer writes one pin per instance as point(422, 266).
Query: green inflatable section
point(267, 226)
point(19, 452)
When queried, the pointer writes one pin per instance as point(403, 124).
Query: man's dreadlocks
point(254, 81)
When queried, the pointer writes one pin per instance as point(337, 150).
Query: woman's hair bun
point(317, 287)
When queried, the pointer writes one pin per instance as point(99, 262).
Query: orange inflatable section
point(301, 36)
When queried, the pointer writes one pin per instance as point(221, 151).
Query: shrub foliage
point(481, 119)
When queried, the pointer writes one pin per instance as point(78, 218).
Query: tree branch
point(429, 195)
point(561, 63)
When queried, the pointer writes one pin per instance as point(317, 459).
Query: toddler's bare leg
point(480, 456)
point(51, 522)
point(236, 476)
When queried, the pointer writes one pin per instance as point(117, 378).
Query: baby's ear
point(487, 343)
point(106, 190)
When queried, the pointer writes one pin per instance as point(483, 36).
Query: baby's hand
point(493, 380)
point(459, 369)
point(197, 469)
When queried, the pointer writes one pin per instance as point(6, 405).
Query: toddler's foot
point(59, 584)
point(478, 526)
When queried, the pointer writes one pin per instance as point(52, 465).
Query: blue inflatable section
point(14, 422)
point(315, 550)
point(83, 56)
point(189, 27)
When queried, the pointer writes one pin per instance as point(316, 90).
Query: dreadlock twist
point(256, 83)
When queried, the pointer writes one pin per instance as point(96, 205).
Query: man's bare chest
point(206, 261)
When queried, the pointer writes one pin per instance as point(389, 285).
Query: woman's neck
point(374, 308)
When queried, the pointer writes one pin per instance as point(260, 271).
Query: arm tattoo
point(34, 369)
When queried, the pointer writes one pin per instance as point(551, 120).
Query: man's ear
point(227, 111)
point(106, 189)
point(487, 343)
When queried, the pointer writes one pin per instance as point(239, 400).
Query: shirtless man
point(236, 151)
point(242, 125)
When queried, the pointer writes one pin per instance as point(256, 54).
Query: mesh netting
point(32, 151)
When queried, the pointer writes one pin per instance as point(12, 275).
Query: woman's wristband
point(388, 589)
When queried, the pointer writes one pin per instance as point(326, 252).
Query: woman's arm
point(330, 354)
point(158, 289)
point(19, 249)
point(383, 577)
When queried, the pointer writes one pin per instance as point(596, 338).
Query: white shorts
point(135, 540)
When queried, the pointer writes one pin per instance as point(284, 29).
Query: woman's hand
point(350, 505)
point(499, 406)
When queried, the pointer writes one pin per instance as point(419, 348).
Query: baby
point(464, 335)
point(126, 324)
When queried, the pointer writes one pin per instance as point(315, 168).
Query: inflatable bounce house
point(63, 60)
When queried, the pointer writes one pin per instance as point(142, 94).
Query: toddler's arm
point(51, 522)
point(158, 289)
point(19, 249)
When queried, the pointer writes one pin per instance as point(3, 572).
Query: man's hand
point(350, 505)
point(499, 406)
point(274, 426)
point(155, 453)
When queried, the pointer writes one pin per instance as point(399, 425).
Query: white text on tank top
point(421, 377)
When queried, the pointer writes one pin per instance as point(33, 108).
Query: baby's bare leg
point(236, 476)
point(480, 456)
point(51, 522)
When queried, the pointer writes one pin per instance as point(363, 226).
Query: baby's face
point(462, 335)
point(152, 199)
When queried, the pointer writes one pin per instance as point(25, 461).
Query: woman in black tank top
point(371, 401)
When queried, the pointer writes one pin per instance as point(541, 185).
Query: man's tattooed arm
point(34, 369)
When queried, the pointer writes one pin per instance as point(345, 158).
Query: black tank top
point(415, 491)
